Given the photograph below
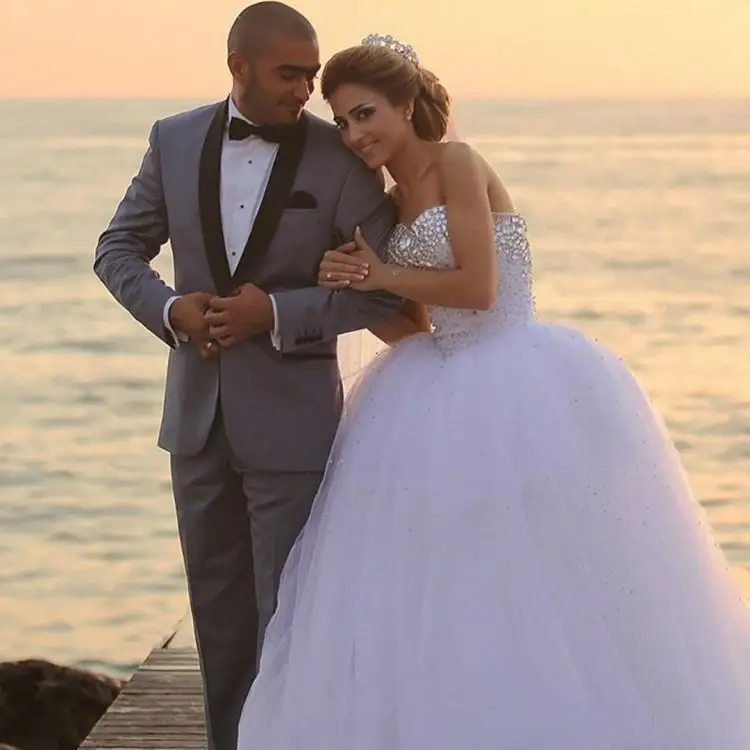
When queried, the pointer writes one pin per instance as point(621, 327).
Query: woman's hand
point(354, 265)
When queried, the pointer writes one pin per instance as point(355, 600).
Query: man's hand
point(188, 315)
point(246, 313)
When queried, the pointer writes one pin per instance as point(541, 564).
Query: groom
point(251, 192)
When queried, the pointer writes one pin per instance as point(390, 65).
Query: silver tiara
point(378, 40)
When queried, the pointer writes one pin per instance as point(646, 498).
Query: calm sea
point(638, 214)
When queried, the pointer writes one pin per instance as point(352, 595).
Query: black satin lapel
point(280, 184)
point(209, 182)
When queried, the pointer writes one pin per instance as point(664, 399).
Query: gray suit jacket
point(280, 408)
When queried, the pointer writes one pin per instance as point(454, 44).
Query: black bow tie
point(240, 129)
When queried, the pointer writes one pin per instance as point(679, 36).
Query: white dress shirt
point(245, 168)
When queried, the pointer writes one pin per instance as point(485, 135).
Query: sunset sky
point(501, 48)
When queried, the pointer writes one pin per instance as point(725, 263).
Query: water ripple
point(639, 227)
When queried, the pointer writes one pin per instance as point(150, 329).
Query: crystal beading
point(424, 244)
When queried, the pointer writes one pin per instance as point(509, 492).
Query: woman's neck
point(410, 164)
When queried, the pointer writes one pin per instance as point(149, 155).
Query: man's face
point(276, 86)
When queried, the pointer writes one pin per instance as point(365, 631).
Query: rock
point(46, 706)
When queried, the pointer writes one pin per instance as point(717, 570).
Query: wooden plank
point(183, 635)
point(160, 708)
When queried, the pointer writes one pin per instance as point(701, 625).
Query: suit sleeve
point(313, 315)
point(134, 237)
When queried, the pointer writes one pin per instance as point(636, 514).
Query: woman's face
point(372, 127)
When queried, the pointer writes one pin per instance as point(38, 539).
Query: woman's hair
point(398, 79)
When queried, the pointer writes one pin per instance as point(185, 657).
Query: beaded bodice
point(424, 244)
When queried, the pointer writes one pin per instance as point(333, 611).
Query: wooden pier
point(161, 706)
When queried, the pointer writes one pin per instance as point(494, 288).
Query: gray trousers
point(236, 527)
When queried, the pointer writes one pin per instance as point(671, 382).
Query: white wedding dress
point(504, 554)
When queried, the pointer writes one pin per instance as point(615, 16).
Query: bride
point(504, 553)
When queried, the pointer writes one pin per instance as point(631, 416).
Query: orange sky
point(512, 48)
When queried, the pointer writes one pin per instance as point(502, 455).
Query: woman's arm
point(472, 284)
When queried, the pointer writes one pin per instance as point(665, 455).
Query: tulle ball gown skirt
point(504, 555)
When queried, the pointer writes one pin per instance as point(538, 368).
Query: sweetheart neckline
point(443, 206)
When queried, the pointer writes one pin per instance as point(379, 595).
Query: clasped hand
point(212, 322)
point(245, 313)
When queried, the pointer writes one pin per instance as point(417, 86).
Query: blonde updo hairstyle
point(397, 78)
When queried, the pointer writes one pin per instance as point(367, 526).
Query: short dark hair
point(260, 22)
